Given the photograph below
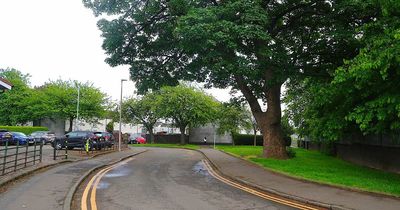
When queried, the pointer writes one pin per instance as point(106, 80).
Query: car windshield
point(18, 134)
point(37, 134)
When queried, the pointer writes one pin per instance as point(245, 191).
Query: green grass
point(186, 146)
point(315, 166)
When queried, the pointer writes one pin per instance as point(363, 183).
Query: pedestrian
point(205, 140)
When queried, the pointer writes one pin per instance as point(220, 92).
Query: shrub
point(110, 127)
point(290, 152)
point(247, 139)
point(24, 129)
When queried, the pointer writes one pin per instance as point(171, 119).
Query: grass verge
point(186, 146)
point(318, 167)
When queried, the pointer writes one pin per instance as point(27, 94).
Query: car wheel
point(57, 145)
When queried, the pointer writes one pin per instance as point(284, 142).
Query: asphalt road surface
point(167, 179)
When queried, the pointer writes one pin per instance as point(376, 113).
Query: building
point(5, 85)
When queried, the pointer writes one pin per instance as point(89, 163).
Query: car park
point(43, 136)
point(77, 139)
point(137, 138)
point(5, 136)
point(20, 138)
point(106, 139)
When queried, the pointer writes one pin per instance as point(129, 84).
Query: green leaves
point(185, 106)
point(362, 96)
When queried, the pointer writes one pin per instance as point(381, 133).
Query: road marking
point(256, 192)
point(93, 183)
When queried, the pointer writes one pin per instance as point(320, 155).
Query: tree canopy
point(185, 107)
point(142, 111)
point(362, 95)
point(251, 45)
point(54, 99)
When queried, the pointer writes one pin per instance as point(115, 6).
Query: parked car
point(106, 138)
point(43, 136)
point(77, 139)
point(5, 136)
point(136, 138)
point(20, 138)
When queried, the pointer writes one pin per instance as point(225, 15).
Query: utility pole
point(120, 118)
point(77, 108)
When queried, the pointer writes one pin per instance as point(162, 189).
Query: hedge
point(24, 129)
point(248, 139)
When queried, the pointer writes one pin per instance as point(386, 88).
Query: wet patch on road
point(200, 168)
point(118, 172)
point(103, 185)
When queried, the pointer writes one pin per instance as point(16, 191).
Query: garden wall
point(167, 139)
point(374, 156)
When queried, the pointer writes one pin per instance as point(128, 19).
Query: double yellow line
point(257, 192)
point(93, 183)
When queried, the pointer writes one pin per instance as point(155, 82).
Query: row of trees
point(55, 99)
point(184, 107)
point(256, 46)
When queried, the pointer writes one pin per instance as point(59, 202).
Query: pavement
point(332, 197)
point(51, 188)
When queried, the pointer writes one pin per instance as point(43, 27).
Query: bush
point(290, 152)
point(247, 139)
point(110, 127)
point(24, 129)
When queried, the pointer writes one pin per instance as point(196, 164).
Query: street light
point(77, 107)
point(120, 117)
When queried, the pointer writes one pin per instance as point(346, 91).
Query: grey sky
point(52, 39)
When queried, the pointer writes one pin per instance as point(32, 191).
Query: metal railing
point(15, 157)
point(60, 153)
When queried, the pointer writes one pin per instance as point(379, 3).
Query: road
point(165, 179)
point(48, 190)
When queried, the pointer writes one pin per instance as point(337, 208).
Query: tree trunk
point(151, 135)
point(255, 137)
point(182, 129)
point(270, 121)
point(71, 121)
point(270, 125)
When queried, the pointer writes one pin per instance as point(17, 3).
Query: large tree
point(142, 111)
point(15, 102)
point(62, 98)
point(186, 107)
point(251, 45)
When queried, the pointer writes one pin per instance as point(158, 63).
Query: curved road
point(168, 179)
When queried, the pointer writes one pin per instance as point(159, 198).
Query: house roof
point(5, 84)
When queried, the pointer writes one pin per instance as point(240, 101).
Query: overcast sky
point(52, 39)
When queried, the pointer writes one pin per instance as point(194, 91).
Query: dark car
point(5, 136)
point(78, 139)
point(107, 139)
point(43, 136)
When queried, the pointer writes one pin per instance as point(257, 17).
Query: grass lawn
point(187, 146)
point(315, 166)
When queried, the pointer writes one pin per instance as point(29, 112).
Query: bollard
point(66, 149)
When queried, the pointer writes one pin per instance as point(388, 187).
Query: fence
point(60, 153)
point(19, 156)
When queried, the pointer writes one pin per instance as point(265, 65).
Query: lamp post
point(120, 118)
point(77, 108)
